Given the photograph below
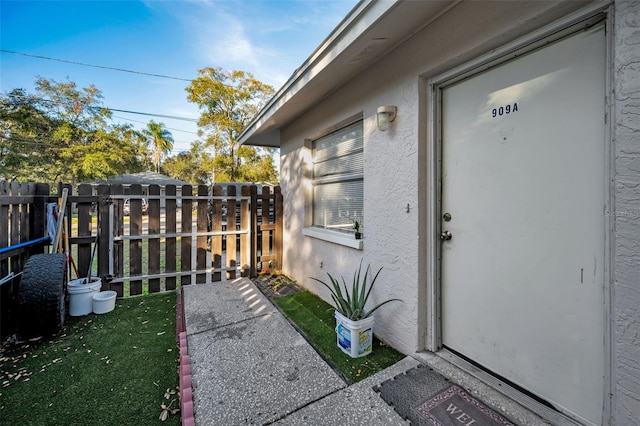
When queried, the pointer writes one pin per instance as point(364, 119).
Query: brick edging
point(184, 371)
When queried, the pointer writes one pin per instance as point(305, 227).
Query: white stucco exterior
point(398, 174)
point(626, 241)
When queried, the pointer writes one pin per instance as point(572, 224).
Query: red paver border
point(184, 371)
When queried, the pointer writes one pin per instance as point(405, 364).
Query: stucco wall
point(395, 160)
point(626, 133)
point(395, 164)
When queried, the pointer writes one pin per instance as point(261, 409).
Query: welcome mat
point(425, 397)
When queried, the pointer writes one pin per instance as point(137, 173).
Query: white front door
point(523, 197)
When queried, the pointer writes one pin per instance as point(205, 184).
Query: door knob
point(445, 236)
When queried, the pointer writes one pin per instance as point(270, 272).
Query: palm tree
point(161, 140)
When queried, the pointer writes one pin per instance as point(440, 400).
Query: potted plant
point(354, 323)
point(356, 227)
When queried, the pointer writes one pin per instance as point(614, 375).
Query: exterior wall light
point(386, 115)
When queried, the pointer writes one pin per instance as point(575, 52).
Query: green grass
point(315, 318)
point(110, 369)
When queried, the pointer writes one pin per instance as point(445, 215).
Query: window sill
point(333, 237)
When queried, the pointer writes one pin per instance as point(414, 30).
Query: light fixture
point(386, 115)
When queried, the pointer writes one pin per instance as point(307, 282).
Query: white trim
point(609, 221)
point(529, 42)
point(333, 237)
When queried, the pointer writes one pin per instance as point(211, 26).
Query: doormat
point(425, 397)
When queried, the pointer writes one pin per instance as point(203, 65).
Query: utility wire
point(172, 117)
point(95, 66)
point(13, 52)
point(144, 122)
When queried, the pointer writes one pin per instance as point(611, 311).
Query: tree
point(191, 166)
point(228, 101)
point(62, 134)
point(161, 141)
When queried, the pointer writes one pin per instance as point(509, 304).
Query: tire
point(42, 294)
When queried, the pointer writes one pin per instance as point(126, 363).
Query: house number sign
point(504, 110)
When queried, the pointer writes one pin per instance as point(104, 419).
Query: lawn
point(314, 317)
point(111, 369)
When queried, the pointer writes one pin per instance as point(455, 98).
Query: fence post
point(232, 221)
point(278, 222)
point(85, 229)
point(38, 215)
point(135, 245)
point(170, 242)
point(253, 205)
point(245, 239)
point(103, 237)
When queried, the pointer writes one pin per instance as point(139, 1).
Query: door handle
point(445, 236)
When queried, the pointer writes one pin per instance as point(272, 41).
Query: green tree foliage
point(161, 141)
point(228, 100)
point(190, 166)
point(62, 134)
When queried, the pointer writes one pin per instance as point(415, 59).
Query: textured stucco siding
point(395, 161)
point(626, 135)
point(395, 175)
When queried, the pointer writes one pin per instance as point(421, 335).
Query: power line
point(144, 122)
point(172, 117)
point(95, 66)
point(13, 52)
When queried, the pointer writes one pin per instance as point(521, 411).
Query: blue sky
point(268, 38)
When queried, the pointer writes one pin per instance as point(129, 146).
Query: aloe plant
point(351, 302)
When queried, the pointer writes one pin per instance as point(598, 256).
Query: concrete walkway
point(250, 366)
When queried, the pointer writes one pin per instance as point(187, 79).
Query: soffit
point(373, 29)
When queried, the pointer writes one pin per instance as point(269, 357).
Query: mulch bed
point(275, 285)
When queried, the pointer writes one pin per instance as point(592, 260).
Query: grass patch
point(315, 318)
point(111, 369)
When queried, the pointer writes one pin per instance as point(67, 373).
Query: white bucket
point(355, 338)
point(80, 295)
point(104, 302)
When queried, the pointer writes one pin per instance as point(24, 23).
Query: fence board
point(135, 246)
point(216, 226)
point(245, 239)
point(278, 243)
point(202, 222)
point(231, 249)
point(170, 242)
point(253, 240)
point(186, 243)
point(154, 243)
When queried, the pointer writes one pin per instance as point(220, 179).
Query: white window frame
point(335, 233)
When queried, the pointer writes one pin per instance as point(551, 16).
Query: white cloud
point(270, 39)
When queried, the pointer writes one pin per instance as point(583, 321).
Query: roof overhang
point(372, 29)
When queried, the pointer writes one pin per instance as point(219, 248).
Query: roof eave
point(263, 130)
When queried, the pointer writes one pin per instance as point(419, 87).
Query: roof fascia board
point(361, 17)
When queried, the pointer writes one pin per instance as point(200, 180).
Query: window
point(338, 184)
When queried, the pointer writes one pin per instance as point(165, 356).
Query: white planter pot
point(81, 292)
point(104, 302)
point(355, 338)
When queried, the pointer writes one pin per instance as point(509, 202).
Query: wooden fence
point(140, 240)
